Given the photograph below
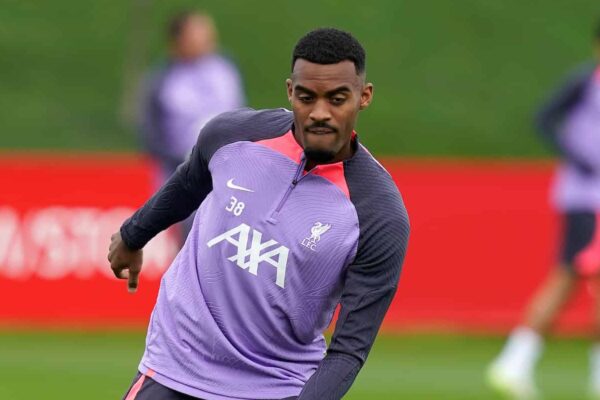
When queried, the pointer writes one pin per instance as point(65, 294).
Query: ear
point(288, 83)
point(366, 96)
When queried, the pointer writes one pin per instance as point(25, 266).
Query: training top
point(273, 250)
point(571, 120)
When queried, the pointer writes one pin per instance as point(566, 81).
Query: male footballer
point(294, 217)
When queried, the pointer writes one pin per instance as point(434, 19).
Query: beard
point(319, 156)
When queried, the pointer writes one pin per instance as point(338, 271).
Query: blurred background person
point(570, 121)
point(181, 95)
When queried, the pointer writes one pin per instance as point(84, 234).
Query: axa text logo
point(251, 251)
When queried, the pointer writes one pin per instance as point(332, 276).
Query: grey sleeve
point(370, 283)
point(175, 201)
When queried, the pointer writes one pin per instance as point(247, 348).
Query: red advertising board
point(483, 236)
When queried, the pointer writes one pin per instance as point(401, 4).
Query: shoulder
point(224, 59)
point(243, 125)
point(368, 181)
point(219, 65)
point(382, 217)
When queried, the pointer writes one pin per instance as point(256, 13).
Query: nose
point(320, 111)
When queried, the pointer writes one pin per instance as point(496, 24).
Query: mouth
point(321, 131)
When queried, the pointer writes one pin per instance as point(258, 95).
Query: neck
point(344, 154)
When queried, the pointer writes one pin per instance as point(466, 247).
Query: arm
point(192, 182)
point(370, 285)
point(553, 112)
point(176, 200)
point(189, 186)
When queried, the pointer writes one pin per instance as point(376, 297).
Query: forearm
point(355, 333)
point(174, 202)
point(333, 378)
point(370, 284)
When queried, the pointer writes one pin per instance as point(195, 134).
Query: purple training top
point(272, 252)
point(571, 119)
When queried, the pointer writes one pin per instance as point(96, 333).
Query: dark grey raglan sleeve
point(192, 182)
point(552, 112)
point(371, 280)
point(175, 201)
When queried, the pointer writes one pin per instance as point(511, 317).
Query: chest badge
point(316, 231)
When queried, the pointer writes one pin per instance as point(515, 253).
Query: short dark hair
point(177, 23)
point(330, 46)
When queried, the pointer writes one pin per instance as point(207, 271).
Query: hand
point(125, 262)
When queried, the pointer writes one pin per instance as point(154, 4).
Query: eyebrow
point(341, 89)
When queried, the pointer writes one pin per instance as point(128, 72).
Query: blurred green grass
point(100, 365)
point(451, 77)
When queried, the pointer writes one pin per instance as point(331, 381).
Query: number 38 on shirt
point(235, 206)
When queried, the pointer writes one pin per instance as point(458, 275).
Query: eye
point(304, 98)
point(338, 100)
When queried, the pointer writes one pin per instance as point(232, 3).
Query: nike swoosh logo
point(231, 185)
